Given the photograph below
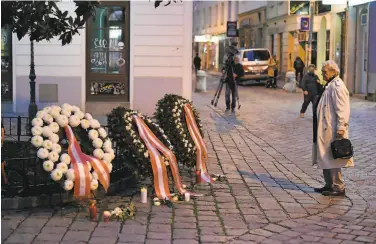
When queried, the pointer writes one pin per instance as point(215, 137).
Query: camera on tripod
point(227, 75)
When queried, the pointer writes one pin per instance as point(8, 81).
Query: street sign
point(304, 24)
point(232, 29)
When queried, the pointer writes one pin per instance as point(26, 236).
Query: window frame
point(8, 75)
point(116, 78)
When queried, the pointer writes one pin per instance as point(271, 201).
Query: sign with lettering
point(304, 24)
point(232, 29)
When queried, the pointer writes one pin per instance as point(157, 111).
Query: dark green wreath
point(133, 150)
point(170, 116)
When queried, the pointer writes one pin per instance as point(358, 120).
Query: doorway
point(363, 81)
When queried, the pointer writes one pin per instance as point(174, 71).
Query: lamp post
point(311, 16)
point(33, 108)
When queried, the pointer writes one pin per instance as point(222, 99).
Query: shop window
point(6, 64)
point(327, 49)
point(107, 54)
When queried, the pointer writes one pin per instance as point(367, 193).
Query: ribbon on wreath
point(201, 151)
point(80, 164)
point(155, 147)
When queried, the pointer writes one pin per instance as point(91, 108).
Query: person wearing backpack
point(299, 67)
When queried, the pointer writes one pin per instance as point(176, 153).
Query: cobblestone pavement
point(265, 153)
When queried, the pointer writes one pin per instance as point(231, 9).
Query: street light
point(33, 108)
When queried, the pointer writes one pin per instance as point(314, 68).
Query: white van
point(255, 64)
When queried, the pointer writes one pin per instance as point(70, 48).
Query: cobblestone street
point(265, 153)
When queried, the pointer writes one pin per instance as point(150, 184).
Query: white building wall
point(160, 60)
point(245, 6)
point(63, 66)
point(161, 49)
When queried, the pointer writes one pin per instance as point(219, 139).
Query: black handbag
point(342, 148)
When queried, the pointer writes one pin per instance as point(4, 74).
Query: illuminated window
point(108, 53)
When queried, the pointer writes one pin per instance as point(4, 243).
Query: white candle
point(144, 195)
point(187, 196)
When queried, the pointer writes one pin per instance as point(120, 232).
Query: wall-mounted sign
point(232, 29)
point(304, 24)
point(302, 36)
point(299, 7)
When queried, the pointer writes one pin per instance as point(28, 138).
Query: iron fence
point(24, 173)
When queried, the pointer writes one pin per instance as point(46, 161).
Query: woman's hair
point(332, 66)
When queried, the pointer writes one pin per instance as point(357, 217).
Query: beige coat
point(333, 113)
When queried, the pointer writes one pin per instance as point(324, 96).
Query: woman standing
point(271, 68)
point(333, 115)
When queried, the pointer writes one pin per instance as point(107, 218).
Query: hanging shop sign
point(232, 29)
point(299, 7)
point(302, 36)
point(304, 24)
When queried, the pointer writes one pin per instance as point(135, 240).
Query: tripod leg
point(216, 92)
point(219, 94)
point(237, 95)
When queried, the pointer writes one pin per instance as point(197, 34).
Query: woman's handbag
point(342, 148)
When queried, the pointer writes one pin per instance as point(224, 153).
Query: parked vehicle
point(255, 64)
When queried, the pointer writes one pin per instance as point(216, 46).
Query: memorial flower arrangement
point(122, 213)
point(134, 151)
point(52, 142)
point(170, 115)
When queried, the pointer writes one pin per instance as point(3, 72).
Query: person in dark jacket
point(312, 89)
point(197, 62)
point(299, 67)
point(232, 79)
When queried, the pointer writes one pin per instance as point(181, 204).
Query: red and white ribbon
point(80, 164)
point(201, 152)
point(155, 146)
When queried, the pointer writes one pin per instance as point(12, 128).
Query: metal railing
point(24, 172)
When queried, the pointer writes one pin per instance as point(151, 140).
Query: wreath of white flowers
point(136, 138)
point(46, 127)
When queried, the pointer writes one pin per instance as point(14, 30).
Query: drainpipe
point(311, 16)
point(367, 92)
point(356, 46)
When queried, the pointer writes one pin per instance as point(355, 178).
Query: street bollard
point(290, 82)
point(201, 81)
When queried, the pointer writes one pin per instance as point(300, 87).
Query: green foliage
point(125, 132)
point(170, 115)
point(158, 3)
point(122, 213)
point(43, 20)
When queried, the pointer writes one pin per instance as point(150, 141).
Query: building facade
point(361, 47)
point(286, 40)
point(209, 31)
point(252, 27)
point(132, 55)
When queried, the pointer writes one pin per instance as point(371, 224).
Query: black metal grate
point(24, 169)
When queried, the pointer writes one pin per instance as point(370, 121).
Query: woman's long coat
point(333, 113)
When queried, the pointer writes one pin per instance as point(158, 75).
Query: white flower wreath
point(46, 127)
point(136, 140)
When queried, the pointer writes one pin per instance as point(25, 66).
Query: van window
point(256, 55)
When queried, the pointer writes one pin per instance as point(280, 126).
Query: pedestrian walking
point(197, 63)
point(312, 89)
point(232, 80)
point(299, 67)
point(271, 70)
point(274, 84)
point(333, 114)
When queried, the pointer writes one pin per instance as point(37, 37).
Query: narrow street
point(265, 153)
